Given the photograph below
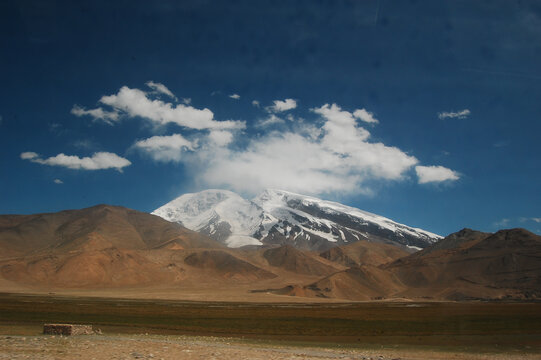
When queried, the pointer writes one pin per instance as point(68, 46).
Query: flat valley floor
point(191, 347)
point(170, 329)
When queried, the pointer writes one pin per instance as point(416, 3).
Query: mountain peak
point(220, 214)
point(281, 217)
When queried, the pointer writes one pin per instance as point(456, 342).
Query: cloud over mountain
point(336, 157)
point(165, 148)
point(329, 151)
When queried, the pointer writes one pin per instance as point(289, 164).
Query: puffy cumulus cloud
point(435, 174)
point(454, 115)
point(286, 161)
point(234, 96)
point(341, 131)
point(255, 103)
point(280, 106)
point(58, 181)
point(220, 137)
point(160, 88)
point(109, 117)
point(165, 148)
point(137, 103)
point(334, 158)
point(365, 116)
point(98, 161)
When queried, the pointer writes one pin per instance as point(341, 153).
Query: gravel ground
point(100, 347)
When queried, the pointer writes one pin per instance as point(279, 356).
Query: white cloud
point(365, 116)
point(186, 101)
point(136, 103)
point(85, 144)
point(58, 181)
point(534, 219)
point(340, 128)
point(235, 96)
point(165, 148)
point(280, 106)
point(109, 117)
point(428, 174)
point(98, 161)
point(255, 103)
point(221, 137)
point(502, 223)
point(29, 155)
point(454, 115)
point(160, 88)
point(271, 120)
point(336, 158)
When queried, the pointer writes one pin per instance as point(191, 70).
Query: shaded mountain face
point(226, 265)
point(283, 218)
point(465, 265)
point(364, 253)
point(475, 265)
point(291, 259)
point(461, 239)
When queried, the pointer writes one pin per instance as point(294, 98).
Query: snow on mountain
point(221, 214)
point(281, 217)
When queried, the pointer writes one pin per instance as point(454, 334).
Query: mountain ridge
point(108, 248)
point(281, 217)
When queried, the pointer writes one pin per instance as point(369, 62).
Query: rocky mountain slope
point(476, 265)
point(280, 217)
point(466, 265)
point(114, 248)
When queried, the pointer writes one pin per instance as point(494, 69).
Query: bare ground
point(100, 347)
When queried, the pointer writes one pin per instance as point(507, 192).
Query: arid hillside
point(109, 248)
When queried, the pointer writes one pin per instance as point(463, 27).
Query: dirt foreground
point(100, 347)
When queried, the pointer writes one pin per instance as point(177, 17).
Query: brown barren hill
point(107, 268)
point(100, 246)
point(506, 264)
point(297, 261)
point(222, 264)
point(364, 253)
point(365, 282)
point(101, 225)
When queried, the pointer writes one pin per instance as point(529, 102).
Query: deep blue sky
point(406, 62)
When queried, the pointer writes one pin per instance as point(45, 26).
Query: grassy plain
point(467, 326)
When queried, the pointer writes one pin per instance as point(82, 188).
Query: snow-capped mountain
point(220, 214)
point(281, 217)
